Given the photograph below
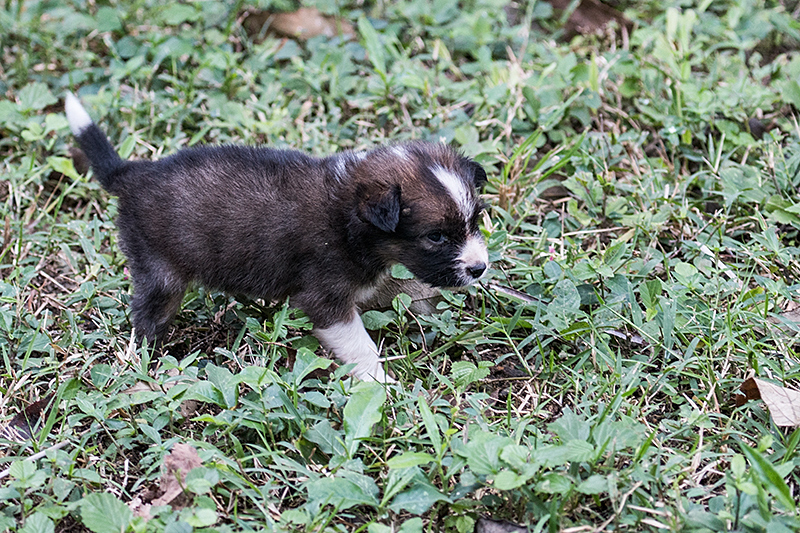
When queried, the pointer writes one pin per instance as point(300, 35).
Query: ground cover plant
point(643, 224)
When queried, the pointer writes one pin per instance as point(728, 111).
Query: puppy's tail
point(105, 161)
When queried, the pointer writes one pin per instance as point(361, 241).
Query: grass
point(643, 229)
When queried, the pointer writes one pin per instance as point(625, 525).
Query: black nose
point(476, 270)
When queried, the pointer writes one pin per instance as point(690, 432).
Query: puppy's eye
point(436, 237)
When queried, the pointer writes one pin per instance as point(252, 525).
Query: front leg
point(350, 343)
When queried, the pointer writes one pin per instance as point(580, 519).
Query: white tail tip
point(77, 116)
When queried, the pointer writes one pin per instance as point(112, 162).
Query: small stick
point(36, 456)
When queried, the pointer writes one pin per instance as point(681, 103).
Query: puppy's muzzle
point(476, 270)
point(473, 259)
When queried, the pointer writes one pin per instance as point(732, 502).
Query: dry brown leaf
point(140, 386)
point(487, 525)
point(783, 403)
point(140, 508)
point(423, 297)
point(590, 17)
point(177, 464)
point(305, 23)
point(792, 316)
point(787, 321)
point(632, 338)
point(23, 425)
point(79, 160)
point(189, 408)
point(514, 293)
point(750, 390)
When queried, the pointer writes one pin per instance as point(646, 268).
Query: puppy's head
point(421, 205)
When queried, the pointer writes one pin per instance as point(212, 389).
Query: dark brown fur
point(274, 224)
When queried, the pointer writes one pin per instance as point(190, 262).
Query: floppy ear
point(382, 210)
point(478, 174)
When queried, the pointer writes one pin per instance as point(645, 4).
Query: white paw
point(375, 373)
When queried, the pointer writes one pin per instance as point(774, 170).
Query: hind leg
point(157, 296)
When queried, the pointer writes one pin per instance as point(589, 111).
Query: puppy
point(278, 223)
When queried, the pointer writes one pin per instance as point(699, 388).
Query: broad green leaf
point(151, 433)
point(225, 382)
point(9, 113)
point(173, 47)
point(127, 146)
point(650, 291)
point(306, 362)
point(401, 272)
point(108, 19)
point(398, 479)
point(614, 254)
point(100, 374)
point(409, 459)
point(579, 451)
point(464, 372)
point(552, 270)
point(687, 20)
point(363, 410)
point(401, 303)
point(65, 166)
point(418, 499)
point(374, 320)
point(342, 493)
point(594, 484)
point(102, 512)
point(62, 488)
point(551, 456)
point(176, 14)
point(201, 517)
point(22, 470)
point(673, 18)
point(515, 455)
point(618, 435)
point(508, 480)
point(566, 295)
point(570, 426)
point(38, 523)
point(373, 45)
point(769, 477)
point(782, 216)
point(411, 80)
point(35, 96)
point(482, 452)
point(201, 480)
point(316, 398)
point(738, 466)
point(87, 474)
point(55, 122)
point(179, 526)
point(256, 376)
point(411, 526)
point(205, 391)
point(7, 522)
point(554, 483)
point(686, 274)
point(329, 440)
point(27, 475)
point(431, 427)
point(790, 91)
